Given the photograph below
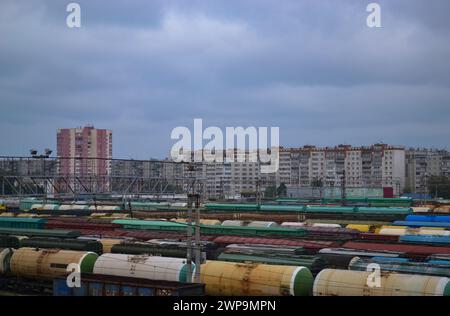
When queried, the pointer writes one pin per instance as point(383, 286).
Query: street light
point(34, 153)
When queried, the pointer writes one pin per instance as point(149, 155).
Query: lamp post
point(47, 152)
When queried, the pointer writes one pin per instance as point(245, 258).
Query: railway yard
point(283, 247)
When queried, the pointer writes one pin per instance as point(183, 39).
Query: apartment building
point(423, 163)
point(92, 147)
point(85, 152)
point(378, 165)
point(375, 166)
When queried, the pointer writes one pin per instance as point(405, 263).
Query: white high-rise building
point(375, 166)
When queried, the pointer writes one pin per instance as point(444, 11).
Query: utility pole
point(193, 249)
point(197, 248)
point(189, 241)
point(258, 191)
point(343, 186)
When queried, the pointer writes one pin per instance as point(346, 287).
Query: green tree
point(270, 192)
point(440, 186)
point(282, 190)
point(317, 183)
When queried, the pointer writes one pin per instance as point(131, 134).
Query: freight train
point(220, 278)
point(236, 255)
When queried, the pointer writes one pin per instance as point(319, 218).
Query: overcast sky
point(142, 68)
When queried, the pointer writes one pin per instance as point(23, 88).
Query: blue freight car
point(439, 262)
point(428, 218)
point(108, 285)
point(389, 259)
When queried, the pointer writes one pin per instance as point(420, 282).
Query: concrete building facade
point(91, 146)
point(423, 163)
point(85, 152)
point(375, 166)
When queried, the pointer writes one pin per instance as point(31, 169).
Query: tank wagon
point(310, 209)
point(211, 229)
point(139, 248)
point(409, 250)
point(108, 243)
point(313, 263)
point(402, 202)
point(66, 244)
point(33, 263)
point(143, 266)
point(401, 265)
point(40, 232)
point(238, 279)
point(9, 242)
point(5, 257)
point(331, 282)
point(340, 258)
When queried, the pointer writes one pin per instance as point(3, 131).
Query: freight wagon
point(49, 263)
point(309, 209)
point(330, 282)
point(427, 240)
point(239, 279)
point(403, 202)
point(401, 266)
point(428, 218)
point(107, 285)
point(313, 263)
point(164, 250)
point(65, 244)
point(311, 246)
point(422, 224)
point(40, 232)
point(143, 266)
point(340, 257)
point(26, 223)
point(410, 250)
point(212, 229)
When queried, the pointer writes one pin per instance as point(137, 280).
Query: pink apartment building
point(84, 151)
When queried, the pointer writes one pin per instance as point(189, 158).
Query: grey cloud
point(142, 68)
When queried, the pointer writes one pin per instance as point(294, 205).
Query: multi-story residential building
point(379, 165)
point(85, 152)
point(376, 166)
point(423, 163)
point(446, 164)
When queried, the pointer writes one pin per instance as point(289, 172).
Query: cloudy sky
point(141, 68)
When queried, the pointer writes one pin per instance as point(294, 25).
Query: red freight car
point(379, 238)
point(52, 224)
point(307, 244)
